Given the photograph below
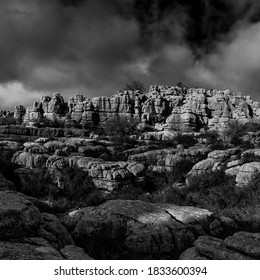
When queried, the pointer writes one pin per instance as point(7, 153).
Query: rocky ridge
point(176, 107)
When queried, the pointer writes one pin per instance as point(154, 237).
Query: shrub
point(119, 129)
point(250, 157)
point(235, 132)
point(79, 188)
point(34, 183)
point(186, 140)
point(8, 120)
point(126, 192)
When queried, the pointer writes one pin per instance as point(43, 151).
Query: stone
point(71, 252)
point(52, 230)
point(216, 249)
point(246, 243)
point(24, 251)
point(31, 160)
point(139, 229)
point(192, 254)
point(18, 216)
point(247, 173)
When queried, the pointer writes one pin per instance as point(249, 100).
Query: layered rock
point(135, 229)
point(181, 108)
point(240, 246)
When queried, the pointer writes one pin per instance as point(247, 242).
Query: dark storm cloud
point(96, 46)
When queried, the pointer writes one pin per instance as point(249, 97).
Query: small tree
point(135, 85)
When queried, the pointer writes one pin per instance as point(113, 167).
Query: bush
point(250, 157)
point(126, 192)
point(186, 140)
point(119, 129)
point(8, 120)
point(34, 183)
point(78, 189)
point(235, 132)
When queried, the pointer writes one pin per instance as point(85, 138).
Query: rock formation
point(240, 246)
point(177, 107)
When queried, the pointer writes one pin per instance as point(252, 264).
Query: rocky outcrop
point(193, 154)
point(19, 113)
point(19, 217)
point(240, 246)
point(151, 157)
point(246, 173)
point(111, 175)
point(178, 107)
point(31, 160)
point(226, 160)
point(28, 234)
point(54, 232)
point(135, 229)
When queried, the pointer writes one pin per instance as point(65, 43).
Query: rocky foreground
point(183, 182)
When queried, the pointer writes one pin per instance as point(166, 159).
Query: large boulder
point(52, 230)
point(18, 216)
point(135, 229)
point(247, 172)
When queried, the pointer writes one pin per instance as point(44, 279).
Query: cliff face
point(176, 107)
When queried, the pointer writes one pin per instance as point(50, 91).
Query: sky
point(96, 47)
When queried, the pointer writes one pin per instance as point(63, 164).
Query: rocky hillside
point(172, 173)
point(178, 107)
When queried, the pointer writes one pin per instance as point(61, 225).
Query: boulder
point(247, 172)
point(240, 246)
point(30, 160)
point(18, 216)
point(135, 229)
point(52, 230)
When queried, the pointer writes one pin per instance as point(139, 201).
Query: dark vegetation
point(135, 85)
point(8, 120)
point(78, 188)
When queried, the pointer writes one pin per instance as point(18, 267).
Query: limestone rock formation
point(31, 160)
point(19, 112)
point(178, 107)
point(240, 246)
point(247, 172)
point(135, 229)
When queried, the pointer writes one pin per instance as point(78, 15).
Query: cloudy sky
point(95, 47)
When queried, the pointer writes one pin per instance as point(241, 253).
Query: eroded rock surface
point(240, 246)
point(18, 216)
point(135, 229)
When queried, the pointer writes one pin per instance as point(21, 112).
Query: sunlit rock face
point(141, 230)
point(175, 107)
